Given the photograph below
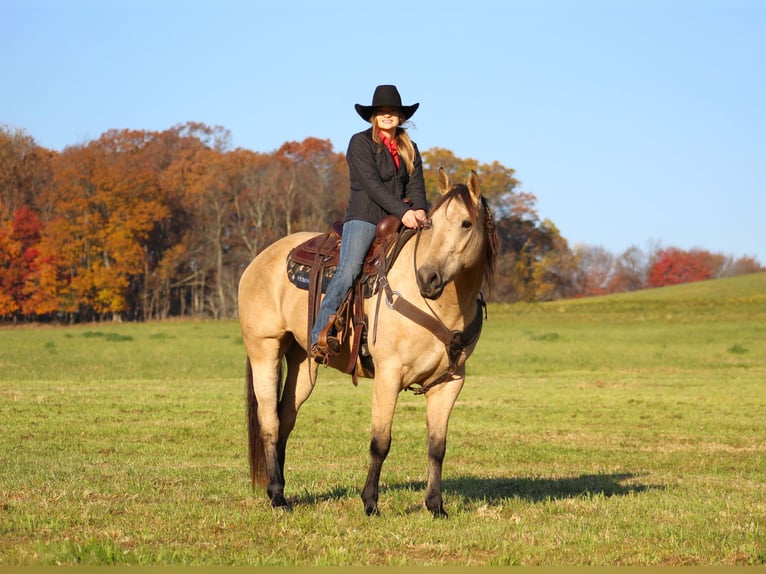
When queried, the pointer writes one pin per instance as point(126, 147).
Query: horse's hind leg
point(439, 402)
point(266, 373)
point(297, 388)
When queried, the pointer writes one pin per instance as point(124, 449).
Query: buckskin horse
point(433, 288)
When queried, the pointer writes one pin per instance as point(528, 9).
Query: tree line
point(141, 225)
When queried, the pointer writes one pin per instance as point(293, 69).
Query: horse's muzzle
point(430, 283)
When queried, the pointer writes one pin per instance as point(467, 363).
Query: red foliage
point(20, 252)
point(673, 266)
point(26, 226)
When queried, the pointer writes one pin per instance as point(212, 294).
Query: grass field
point(624, 430)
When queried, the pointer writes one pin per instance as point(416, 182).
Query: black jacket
point(377, 187)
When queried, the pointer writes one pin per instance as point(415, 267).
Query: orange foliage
point(109, 203)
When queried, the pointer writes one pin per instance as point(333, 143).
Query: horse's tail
point(256, 453)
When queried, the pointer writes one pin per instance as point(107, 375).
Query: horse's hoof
point(439, 512)
point(371, 510)
point(279, 501)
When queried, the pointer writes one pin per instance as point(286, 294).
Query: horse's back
point(268, 303)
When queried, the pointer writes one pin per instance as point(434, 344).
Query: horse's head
point(462, 239)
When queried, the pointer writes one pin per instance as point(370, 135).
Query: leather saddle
point(312, 264)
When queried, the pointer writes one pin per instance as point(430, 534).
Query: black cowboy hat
point(385, 96)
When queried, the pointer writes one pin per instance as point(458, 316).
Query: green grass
point(618, 430)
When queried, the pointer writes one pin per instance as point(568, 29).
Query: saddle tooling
point(311, 265)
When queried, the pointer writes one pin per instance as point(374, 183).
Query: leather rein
point(454, 341)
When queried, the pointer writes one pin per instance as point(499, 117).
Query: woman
point(386, 176)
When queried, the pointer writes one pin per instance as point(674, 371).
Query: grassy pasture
point(624, 430)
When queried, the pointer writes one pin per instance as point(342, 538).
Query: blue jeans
point(356, 240)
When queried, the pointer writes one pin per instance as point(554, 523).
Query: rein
point(454, 341)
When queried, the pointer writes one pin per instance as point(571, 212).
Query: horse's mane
point(482, 216)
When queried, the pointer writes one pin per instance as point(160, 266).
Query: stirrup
point(325, 349)
point(325, 340)
point(319, 355)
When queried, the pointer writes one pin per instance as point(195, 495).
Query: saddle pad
point(299, 274)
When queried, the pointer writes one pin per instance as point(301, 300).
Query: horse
point(437, 277)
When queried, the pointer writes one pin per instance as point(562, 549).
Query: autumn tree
point(258, 222)
point(595, 269)
point(498, 183)
point(28, 282)
point(527, 268)
point(319, 177)
point(729, 266)
point(26, 237)
point(25, 172)
point(457, 168)
point(742, 265)
point(212, 198)
point(553, 270)
point(674, 266)
point(535, 263)
point(109, 203)
point(176, 282)
point(630, 271)
point(10, 251)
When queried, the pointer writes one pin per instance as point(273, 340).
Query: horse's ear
point(444, 185)
point(473, 186)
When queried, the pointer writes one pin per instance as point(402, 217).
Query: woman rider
point(386, 177)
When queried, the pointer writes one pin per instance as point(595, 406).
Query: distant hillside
point(743, 296)
point(746, 286)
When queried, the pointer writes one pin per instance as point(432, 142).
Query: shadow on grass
point(336, 493)
point(542, 489)
point(494, 490)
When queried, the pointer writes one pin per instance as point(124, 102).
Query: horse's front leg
point(439, 402)
point(385, 392)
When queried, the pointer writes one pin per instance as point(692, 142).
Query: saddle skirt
point(322, 250)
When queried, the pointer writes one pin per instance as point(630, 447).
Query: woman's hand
point(414, 218)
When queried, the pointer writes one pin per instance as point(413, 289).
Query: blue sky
point(634, 122)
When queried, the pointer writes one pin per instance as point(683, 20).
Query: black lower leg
point(378, 452)
point(434, 501)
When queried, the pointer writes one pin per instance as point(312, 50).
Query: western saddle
point(311, 265)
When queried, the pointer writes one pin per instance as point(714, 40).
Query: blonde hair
point(404, 146)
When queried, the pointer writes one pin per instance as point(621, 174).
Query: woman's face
point(387, 119)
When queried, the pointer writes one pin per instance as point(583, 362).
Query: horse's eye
point(467, 224)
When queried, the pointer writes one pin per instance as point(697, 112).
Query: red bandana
point(391, 146)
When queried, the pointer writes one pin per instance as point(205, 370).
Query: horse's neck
point(459, 299)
